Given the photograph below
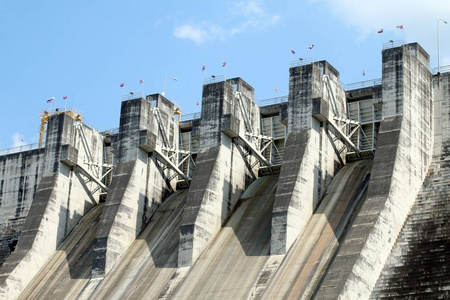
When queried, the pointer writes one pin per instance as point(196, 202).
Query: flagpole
point(438, 44)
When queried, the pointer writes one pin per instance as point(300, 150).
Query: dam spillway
point(303, 197)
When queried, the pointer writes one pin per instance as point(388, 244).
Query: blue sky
point(85, 49)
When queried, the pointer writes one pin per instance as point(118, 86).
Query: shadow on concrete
point(252, 217)
point(71, 263)
point(162, 233)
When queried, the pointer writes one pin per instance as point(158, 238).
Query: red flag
point(276, 89)
point(122, 84)
point(196, 103)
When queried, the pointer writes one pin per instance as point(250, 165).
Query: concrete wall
point(62, 197)
point(423, 243)
point(223, 166)
point(401, 160)
point(19, 178)
point(138, 184)
point(310, 158)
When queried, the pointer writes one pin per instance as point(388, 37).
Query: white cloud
point(419, 18)
point(191, 32)
point(17, 140)
point(249, 8)
point(367, 16)
point(242, 15)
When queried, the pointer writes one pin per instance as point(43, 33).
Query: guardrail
point(133, 95)
point(442, 69)
point(214, 79)
point(65, 109)
point(18, 149)
point(393, 44)
point(363, 84)
point(189, 117)
point(301, 62)
point(271, 101)
point(111, 131)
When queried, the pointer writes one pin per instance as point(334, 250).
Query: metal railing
point(442, 69)
point(301, 62)
point(189, 117)
point(18, 149)
point(110, 131)
point(214, 79)
point(393, 44)
point(363, 84)
point(133, 95)
point(270, 101)
point(65, 109)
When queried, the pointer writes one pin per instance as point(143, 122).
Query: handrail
point(275, 100)
point(302, 62)
point(214, 79)
point(442, 69)
point(189, 117)
point(18, 149)
point(363, 84)
point(393, 44)
point(133, 95)
point(65, 109)
point(111, 131)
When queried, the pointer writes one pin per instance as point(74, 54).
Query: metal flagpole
point(438, 44)
point(224, 64)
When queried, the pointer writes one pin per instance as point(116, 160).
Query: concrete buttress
point(311, 158)
point(62, 197)
point(223, 166)
point(402, 158)
point(138, 184)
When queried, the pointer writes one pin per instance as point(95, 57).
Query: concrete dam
point(332, 192)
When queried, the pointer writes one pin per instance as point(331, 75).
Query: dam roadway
point(236, 265)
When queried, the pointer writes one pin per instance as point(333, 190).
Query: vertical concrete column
point(310, 159)
point(402, 158)
point(138, 185)
point(222, 169)
point(46, 224)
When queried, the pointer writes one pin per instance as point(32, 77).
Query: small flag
point(364, 73)
point(50, 100)
point(224, 63)
point(65, 97)
point(196, 103)
point(311, 47)
point(276, 89)
point(203, 68)
point(22, 139)
point(292, 51)
point(141, 81)
point(380, 31)
point(400, 26)
point(122, 84)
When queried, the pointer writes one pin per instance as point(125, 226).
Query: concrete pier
point(138, 185)
point(401, 161)
point(223, 166)
point(62, 197)
point(311, 158)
